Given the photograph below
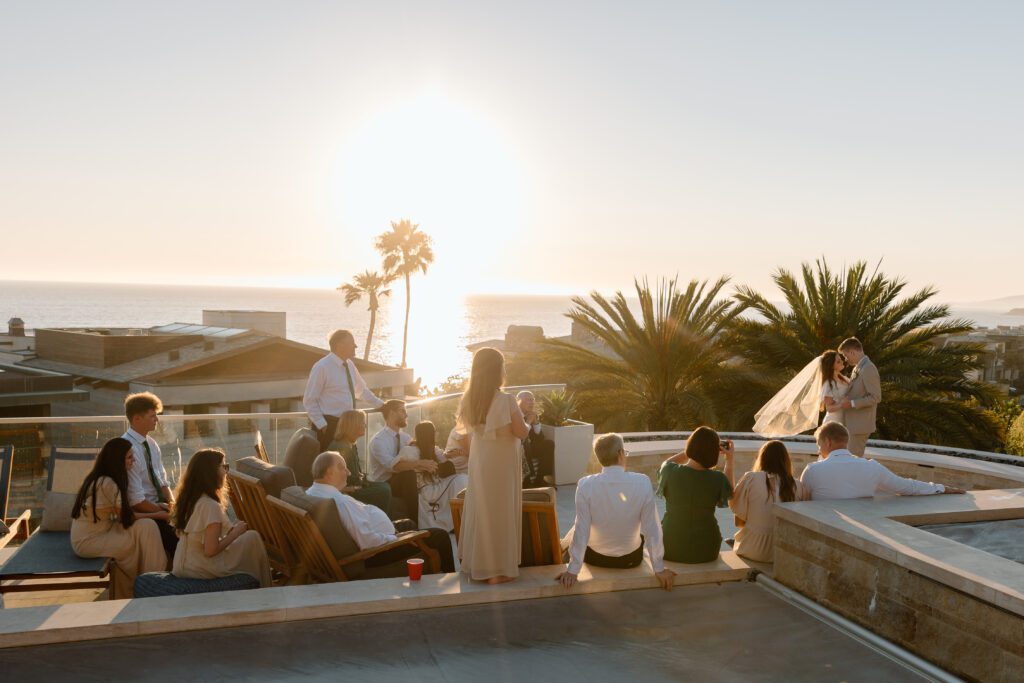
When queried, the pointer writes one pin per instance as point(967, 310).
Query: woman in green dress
point(351, 426)
point(692, 489)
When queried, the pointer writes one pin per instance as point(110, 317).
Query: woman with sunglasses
point(210, 545)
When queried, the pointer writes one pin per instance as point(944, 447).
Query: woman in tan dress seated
point(210, 545)
point(490, 541)
point(771, 480)
point(103, 524)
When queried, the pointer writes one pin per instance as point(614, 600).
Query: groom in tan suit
point(861, 402)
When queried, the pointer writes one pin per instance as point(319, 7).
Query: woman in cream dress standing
point(103, 524)
point(210, 547)
point(490, 542)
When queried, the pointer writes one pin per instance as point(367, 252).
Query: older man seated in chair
point(615, 518)
point(367, 524)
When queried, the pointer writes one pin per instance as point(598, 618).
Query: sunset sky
point(547, 147)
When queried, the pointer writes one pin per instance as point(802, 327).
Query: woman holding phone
point(692, 489)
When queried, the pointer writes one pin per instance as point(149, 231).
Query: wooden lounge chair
point(322, 564)
point(541, 541)
point(249, 500)
point(46, 558)
point(16, 527)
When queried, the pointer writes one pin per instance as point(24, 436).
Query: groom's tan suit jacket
point(866, 392)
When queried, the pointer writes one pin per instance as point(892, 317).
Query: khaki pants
point(857, 443)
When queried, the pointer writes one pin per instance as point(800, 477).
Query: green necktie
point(351, 387)
point(152, 474)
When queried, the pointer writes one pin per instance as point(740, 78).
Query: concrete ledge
point(883, 527)
point(125, 618)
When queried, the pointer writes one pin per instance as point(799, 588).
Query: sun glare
point(438, 164)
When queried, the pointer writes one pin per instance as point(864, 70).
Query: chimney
point(16, 327)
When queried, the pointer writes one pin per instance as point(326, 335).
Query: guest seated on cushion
point(386, 466)
point(210, 545)
point(436, 489)
point(103, 524)
point(615, 518)
point(368, 526)
point(351, 426)
point(693, 488)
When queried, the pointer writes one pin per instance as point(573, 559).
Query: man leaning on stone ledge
point(840, 474)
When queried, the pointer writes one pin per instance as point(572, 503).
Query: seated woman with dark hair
point(438, 487)
point(103, 524)
point(352, 426)
point(692, 489)
point(210, 546)
point(770, 481)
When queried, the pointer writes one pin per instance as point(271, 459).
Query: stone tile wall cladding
point(960, 633)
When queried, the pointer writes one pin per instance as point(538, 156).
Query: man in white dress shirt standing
point(840, 474)
point(384, 462)
point(367, 524)
point(616, 518)
point(334, 385)
point(149, 489)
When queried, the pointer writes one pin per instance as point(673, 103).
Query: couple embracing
point(821, 385)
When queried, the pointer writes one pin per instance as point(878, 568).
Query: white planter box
point(573, 445)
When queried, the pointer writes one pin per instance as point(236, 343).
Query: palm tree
point(927, 395)
point(665, 369)
point(405, 250)
point(373, 286)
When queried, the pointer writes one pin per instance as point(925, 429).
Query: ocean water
point(438, 330)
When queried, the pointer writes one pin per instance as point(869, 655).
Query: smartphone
point(724, 444)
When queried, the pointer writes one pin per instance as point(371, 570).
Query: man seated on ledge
point(367, 524)
point(840, 474)
point(615, 518)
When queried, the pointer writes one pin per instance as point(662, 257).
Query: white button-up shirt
point(843, 475)
point(140, 486)
point(367, 524)
point(612, 509)
point(327, 391)
point(384, 447)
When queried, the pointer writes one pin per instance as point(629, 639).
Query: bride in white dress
point(834, 386)
point(796, 408)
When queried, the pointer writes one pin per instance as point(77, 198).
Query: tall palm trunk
point(405, 331)
point(373, 323)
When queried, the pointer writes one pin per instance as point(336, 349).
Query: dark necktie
point(152, 473)
point(351, 387)
point(398, 442)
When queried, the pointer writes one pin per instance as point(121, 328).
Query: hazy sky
point(548, 147)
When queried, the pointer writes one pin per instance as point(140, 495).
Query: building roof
point(164, 364)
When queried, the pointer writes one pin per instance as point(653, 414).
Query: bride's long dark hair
point(828, 368)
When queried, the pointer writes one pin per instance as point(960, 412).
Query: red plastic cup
point(415, 566)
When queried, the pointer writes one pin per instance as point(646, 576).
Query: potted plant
point(573, 439)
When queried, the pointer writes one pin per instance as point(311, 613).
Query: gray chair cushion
point(57, 509)
point(273, 477)
point(324, 513)
point(49, 552)
point(156, 584)
point(302, 450)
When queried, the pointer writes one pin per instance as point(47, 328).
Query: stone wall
point(960, 633)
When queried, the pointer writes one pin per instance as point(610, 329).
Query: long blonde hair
point(486, 377)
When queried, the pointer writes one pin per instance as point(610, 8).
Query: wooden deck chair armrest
point(403, 539)
point(18, 527)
